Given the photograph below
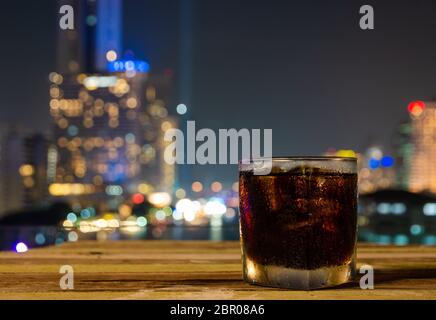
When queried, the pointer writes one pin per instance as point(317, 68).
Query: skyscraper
point(109, 113)
point(23, 175)
point(423, 139)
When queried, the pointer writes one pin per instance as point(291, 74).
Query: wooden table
point(194, 270)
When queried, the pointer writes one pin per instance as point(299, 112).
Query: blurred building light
point(216, 186)
point(145, 188)
point(375, 152)
point(181, 109)
point(166, 125)
point(114, 190)
point(416, 108)
point(94, 82)
point(398, 208)
point(128, 65)
point(197, 186)
point(111, 55)
point(180, 193)
point(65, 189)
point(55, 78)
point(387, 161)
point(26, 170)
point(373, 163)
point(429, 209)
point(346, 153)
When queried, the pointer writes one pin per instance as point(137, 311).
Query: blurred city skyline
point(305, 70)
point(93, 105)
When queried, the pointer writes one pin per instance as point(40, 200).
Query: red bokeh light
point(138, 198)
point(416, 107)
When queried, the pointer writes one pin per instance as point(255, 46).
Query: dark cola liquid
point(303, 219)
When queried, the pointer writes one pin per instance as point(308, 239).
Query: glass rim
point(299, 158)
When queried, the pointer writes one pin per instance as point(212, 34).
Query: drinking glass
point(298, 223)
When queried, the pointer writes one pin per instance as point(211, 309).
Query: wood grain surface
point(195, 270)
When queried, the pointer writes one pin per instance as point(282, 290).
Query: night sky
point(303, 68)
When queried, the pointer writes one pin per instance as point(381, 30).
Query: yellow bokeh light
point(166, 125)
point(145, 188)
point(26, 170)
point(131, 102)
point(180, 193)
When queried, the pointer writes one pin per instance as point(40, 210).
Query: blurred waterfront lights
point(429, 209)
point(159, 199)
point(141, 221)
point(230, 213)
point(401, 240)
point(72, 217)
point(416, 229)
point(85, 213)
point(67, 224)
point(21, 247)
point(160, 215)
point(215, 207)
point(429, 240)
point(177, 215)
point(235, 186)
point(40, 239)
point(73, 236)
point(125, 211)
point(138, 198)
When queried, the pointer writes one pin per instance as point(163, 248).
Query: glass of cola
point(298, 223)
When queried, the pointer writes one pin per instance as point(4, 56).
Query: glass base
point(282, 277)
